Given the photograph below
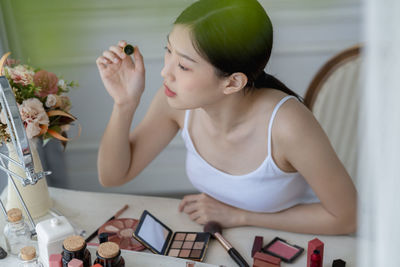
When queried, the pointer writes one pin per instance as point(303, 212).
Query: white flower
point(21, 74)
point(3, 117)
point(33, 115)
point(51, 100)
point(62, 84)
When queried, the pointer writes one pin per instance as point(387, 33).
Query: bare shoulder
point(294, 120)
point(297, 132)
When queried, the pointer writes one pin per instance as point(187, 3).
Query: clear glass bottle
point(16, 232)
point(28, 258)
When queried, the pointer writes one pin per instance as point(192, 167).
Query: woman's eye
point(182, 67)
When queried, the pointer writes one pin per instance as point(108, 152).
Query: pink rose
point(47, 81)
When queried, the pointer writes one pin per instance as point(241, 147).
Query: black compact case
point(160, 239)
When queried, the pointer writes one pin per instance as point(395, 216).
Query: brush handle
point(237, 258)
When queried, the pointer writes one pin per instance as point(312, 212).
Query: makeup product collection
point(279, 250)
point(59, 246)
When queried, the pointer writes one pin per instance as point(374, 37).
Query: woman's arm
point(307, 149)
point(123, 155)
point(299, 137)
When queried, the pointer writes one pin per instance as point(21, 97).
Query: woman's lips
point(168, 92)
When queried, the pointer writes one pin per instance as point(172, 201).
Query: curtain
point(379, 176)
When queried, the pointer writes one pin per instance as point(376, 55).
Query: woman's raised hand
point(123, 78)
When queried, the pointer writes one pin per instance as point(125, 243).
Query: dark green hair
point(234, 36)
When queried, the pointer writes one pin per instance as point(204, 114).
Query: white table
point(89, 210)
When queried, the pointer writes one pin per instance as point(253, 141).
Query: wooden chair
point(333, 97)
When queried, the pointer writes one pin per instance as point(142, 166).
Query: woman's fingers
point(190, 207)
point(188, 199)
point(102, 62)
point(118, 51)
point(122, 43)
point(111, 56)
point(196, 217)
point(139, 64)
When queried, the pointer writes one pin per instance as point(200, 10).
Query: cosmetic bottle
point(109, 255)
point(74, 247)
point(28, 258)
point(51, 234)
point(16, 232)
point(316, 259)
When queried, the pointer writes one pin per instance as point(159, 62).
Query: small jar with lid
point(109, 255)
point(16, 232)
point(74, 247)
point(28, 258)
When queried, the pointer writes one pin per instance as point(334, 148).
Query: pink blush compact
point(283, 250)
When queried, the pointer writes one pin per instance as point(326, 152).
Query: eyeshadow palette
point(122, 230)
point(160, 239)
point(283, 250)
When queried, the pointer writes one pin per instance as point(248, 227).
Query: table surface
point(89, 210)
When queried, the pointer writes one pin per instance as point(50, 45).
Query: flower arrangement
point(42, 100)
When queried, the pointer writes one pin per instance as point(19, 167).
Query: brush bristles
point(212, 228)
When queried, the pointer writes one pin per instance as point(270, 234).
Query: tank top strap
point(271, 120)
point(186, 121)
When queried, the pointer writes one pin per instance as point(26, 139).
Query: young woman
point(254, 151)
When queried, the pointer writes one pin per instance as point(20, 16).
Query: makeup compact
point(120, 231)
point(283, 250)
point(160, 239)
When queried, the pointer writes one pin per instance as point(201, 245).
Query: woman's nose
point(166, 71)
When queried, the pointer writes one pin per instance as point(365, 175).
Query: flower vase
point(36, 197)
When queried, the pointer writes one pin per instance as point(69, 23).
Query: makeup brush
point(215, 230)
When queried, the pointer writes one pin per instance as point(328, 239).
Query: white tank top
point(266, 189)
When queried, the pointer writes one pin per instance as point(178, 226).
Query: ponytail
point(265, 80)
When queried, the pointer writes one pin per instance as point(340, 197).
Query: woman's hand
point(123, 78)
point(202, 208)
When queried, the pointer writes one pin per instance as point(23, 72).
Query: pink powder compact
point(283, 250)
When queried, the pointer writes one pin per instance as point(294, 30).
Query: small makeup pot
point(160, 239)
point(74, 247)
point(109, 255)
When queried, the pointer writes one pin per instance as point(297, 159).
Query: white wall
point(307, 33)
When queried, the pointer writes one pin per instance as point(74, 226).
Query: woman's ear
point(235, 82)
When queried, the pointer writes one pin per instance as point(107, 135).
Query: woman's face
point(189, 80)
